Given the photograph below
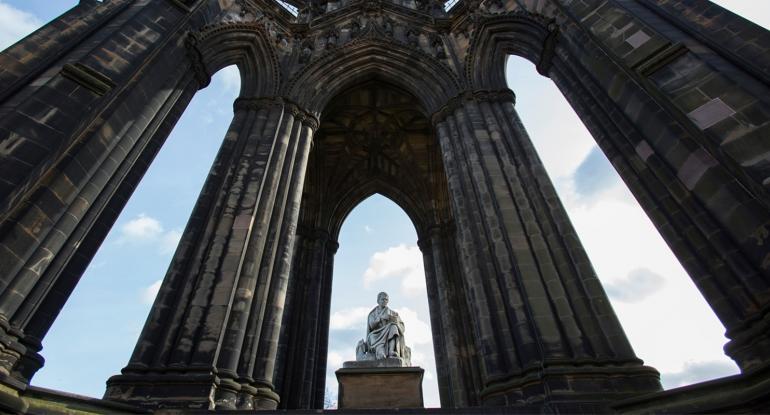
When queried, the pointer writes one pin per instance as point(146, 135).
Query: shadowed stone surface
point(408, 100)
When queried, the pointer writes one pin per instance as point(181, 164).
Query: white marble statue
point(384, 336)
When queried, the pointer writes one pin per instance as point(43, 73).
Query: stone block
point(380, 388)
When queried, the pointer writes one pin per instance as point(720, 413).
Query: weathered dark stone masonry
point(402, 98)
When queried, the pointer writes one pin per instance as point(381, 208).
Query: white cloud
point(149, 293)
point(169, 241)
point(694, 372)
point(417, 330)
point(142, 228)
point(15, 24)
point(401, 262)
point(636, 286)
point(350, 318)
point(368, 229)
point(147, 230)
point(230, 78)
point(334, 359)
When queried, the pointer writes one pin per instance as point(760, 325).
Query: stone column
point(47, 242)
point(453, 341)
point(81, 118)
point(683, 117)
point(715, 222)
point(306, 335)
point(539, 314)
point(210, 340)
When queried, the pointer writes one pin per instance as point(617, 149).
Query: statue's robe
point(380, 329)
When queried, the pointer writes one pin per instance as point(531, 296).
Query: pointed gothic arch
point(428, 79)
point(245, 45)
point(82, 119)
point(374, 137)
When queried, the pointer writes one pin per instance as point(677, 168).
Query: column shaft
point(81, 118)
point(453, 340)
point(537, 309)
point(216, 318)
point(716, 227)
point(307, 331)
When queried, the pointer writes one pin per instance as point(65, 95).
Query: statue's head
point(382, 299)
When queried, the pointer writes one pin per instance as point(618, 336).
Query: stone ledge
point(381, 363)
point(44, 401)
point(745, 393)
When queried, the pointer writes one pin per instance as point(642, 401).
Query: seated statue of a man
point(384, 335)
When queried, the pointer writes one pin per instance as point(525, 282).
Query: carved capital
point(424, 244)
point(312, 121)
point(255, 104)
point(549, 49)
point(197, 64)
point(332, 246)
point(295, 111)
point(503, 95)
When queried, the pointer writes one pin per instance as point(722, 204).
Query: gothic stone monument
point(382, 375)
point(407, 99)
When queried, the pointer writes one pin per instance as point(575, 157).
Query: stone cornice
point(503, 95)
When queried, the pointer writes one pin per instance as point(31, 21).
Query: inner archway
point(379, 252)
point(374, 138)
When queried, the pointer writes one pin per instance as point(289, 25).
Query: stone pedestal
point(380, 387)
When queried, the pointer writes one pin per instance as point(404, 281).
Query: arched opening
point(378, 252)
point(666, 319)
point(374, 138)
point(663, 153)
point(117, 289)
point(541, 322)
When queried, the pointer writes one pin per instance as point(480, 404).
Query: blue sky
point(669, 324)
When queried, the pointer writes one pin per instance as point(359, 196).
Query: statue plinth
point(369, 385)
point(387, 362)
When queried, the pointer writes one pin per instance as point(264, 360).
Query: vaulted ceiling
point(374, 138)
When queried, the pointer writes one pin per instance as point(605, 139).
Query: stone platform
point(380, 387)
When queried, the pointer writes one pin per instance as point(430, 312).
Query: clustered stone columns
point(305, 331)
point(544, 325)
point(212, 336)
point(453, 339)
